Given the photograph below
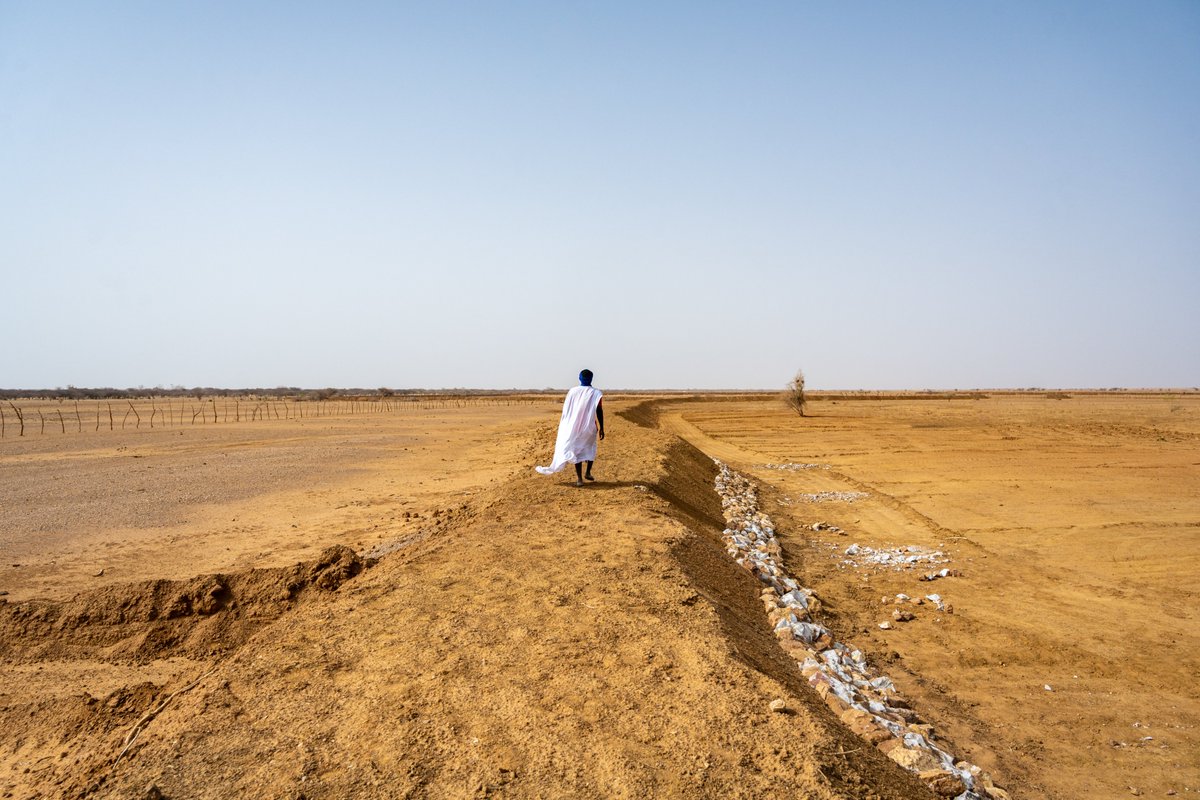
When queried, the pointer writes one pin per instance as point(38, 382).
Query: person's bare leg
point(588, 474)
point(579, 473)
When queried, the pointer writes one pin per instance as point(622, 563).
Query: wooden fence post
point(20, 417)
point(136, 414)
point(61, 424)
point(43, 419)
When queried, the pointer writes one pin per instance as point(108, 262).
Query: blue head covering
point(585, 378)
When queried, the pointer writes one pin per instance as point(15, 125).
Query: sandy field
point(1070, 662)
point(396, 605)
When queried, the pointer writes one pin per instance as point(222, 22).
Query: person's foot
point(589, 477)
point(579, 483)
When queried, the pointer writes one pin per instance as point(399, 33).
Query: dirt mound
point(63, 741)
point(643, 414)
point(554, 642)
point(202, 617)
point(733, 592)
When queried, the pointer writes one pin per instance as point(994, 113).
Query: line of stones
point(867, 702)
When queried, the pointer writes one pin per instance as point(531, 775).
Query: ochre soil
point(93, 508)
point(398, 606)
point(517, 637)
point(1075, 525)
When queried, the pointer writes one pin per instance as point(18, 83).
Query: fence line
point(262, 410)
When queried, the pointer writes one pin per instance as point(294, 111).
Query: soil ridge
point(555, 641)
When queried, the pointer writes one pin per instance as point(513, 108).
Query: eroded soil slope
point(1067, 656)
point(540, 641)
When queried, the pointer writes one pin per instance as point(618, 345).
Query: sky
point(674, 195)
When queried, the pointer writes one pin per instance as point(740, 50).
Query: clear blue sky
point(677, 195)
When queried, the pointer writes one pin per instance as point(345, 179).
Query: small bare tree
point(794, 394)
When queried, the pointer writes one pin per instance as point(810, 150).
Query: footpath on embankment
point(542, 641)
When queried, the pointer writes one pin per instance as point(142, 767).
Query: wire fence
point(46, 417)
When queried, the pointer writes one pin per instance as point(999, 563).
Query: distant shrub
point(794, 395)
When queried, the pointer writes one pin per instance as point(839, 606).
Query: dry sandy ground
point(522, 638)
point(176, 502)
point(486, 631)
point(1075, 525)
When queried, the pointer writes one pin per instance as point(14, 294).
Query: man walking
point(582, 417)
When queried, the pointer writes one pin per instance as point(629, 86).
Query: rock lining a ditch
point(866, 701)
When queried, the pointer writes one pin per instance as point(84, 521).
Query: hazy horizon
point(183, 390)
point(929, 195)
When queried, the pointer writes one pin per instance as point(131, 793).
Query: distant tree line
point(293, 392)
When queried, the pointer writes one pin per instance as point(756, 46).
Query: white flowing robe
point(576, 430)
